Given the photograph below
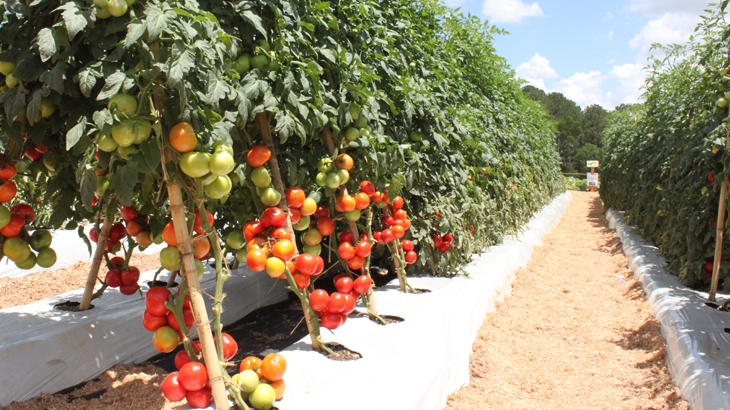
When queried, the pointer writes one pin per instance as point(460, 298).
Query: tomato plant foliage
point(660, 154)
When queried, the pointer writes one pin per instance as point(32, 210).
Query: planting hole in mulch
point(717, 307)
point(159, 283)
point(419, 291)
point(388, 319)
point(69, 306)
point(341, 353)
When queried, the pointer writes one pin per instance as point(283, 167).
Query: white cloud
point(629, 78)
point(509, 11)
point(610, 35)
point(657, 7)
point(583, 88)
point(454, 3)
point(611, 61)
point(668, 29)
point(609, 16)
point(536, 71)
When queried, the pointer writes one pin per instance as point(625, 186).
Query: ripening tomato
point(367, 187)
point(201, 247)
point(400, 214)
point(302, 281)
point(129, 213)
point(113, 278)
point(230, 347)
point(344, 284)
point(362, 200)
point(181, 359)
point(252, 363)
point(322, 212)
point(198, 223)
point(258, 155)
point(166, 339)
point(155, 300)
point(130, 276)
point(182, 137)
point(363, 249)
point(318, 300)
point(133, 228)
point(377, 197)
point(398, 231)
point(144, 239)
point(33, 154)
point(7, 191)
point(344, 161)
point(355, 263)
point(406, 245)
point(171, 387)
point(13, 228)
point(387, 235)
point(280, 234)
point(258, 243)
point(25, 210)
point(346, 237)
point(152, 322)
point(256, 260)
point(349, 304)
point(332, 320)
point(168, 234)
point(309, 207)
point(193, 376)
point(362, 284)
point(346, 251)
point(295, 197)
point(347, 203)
point(325, 226)
point(284, 249)
point(306, 264)
point(312, 237)
point(251, 229)
point(279, 386)
point(199, 399)
point(273, 367)
point(7, 171)
point(273, 217)
point(187, 317)
point(275, 267)
point(411, 257)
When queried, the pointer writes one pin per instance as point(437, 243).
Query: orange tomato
point(344, 161)
point(347, 203)
point(295, 197)
point(201, 247)
point(8, 171)
point(283, 249)
point(256, 260)
point(168, 234)
point(400, 214)
point(398, 231)
point(182, 137)
point(253, 363)
point(8, 191)
point(281, 234)
point(273, 367)
point(325, 226)
point(356, 262)
point(362, 200)
point(251, 229)
point(279, 385)
point(258, 155)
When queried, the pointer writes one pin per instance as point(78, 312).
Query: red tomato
point(406, 245)
point(377, 197)
point(411, 257)
point(387, 235)
point(13, 228)
point(346, 251)
point(320, 266)
point(187, 316)
point(258, 156)
point(117, 263)
point(448, 238)
point(397, 202)
point(113, 278)
point(128, 289)
point(306, 264)
point(133, 228)
point(318, 300)
point(295, 214)
point(295, 197)
point(251, 229)
point(346, 237)
point(362, 249)
point(129, 214)
point(332, 320)
point(153, 322)
point(387, 221)
point(25, 210)
point(7, 191)
point(322, 212)
point(377, 235)
point(198, 223)
point(199, 399)
point(117, 232)
point(201, 247)
point(155, 300)
point(302, 281)
point(273, 217)
point(94, 234)
point(253, 363)
point(362, 284)
point(130, 276)
point(33, 154)
point(171, 387)
point(281, 234)
point(398, 231)
point(400, 214)
point(437, 241)
point(336, 303)
point(350, 304)
point(7, 171)
point(344, 284)
point(356, 262)
point(325, 226)
point(193, 376)
point(362, 200)
point(444, 247)
point(347, 203)
point(230, 347)
point(181, 359)
point(367, 187)
point(273, 367)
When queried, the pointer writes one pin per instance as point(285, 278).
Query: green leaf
point(255, 21)
point(284, 126)
point(46, 44)
point(74, 19)
point(74, 134)
point(33, 111)
point(14, 102)
point(156, 22)
point(54, 79)
point(88, 187)
point(135, 31)
point(112, 86)
point(124, 181)
point(87, 80)
point(181, 62)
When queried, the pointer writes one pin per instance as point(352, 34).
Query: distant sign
point(592, 180)
point(592, 164)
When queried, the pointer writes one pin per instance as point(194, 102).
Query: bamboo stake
point(202, 322)
point(720, 232)
point(263, 123)
point(101, 241)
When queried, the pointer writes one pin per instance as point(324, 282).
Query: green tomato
point(117, 8)
point(366, 132)
point(4, 216)
point(103, 13)
point(242, 64)
point(130, 2)
point(248, 380)
point(259, 61)
point(321, 179)
point(157, 240)
point(195, 164)
point(352, 134)
point(344, 176)
point(123, 132)
point(40, 239)
point(242, 256)
point(222, 145)
point(416, 136)
point(353, 215)
point(106, 144)
point(221, 163)
point(264, 45)
point(126, 104)
point(722, 102)
point(208, 178)
point(7, 67)
point(260, 177)
point(235, 240)
point(325, 165)
point(101, 3)
point(170, 258)
point(270, 197)
point(126, 152)
point(355, 111)
point(263, 397)
point(11, 81)
point(47, 107)
point(314, 250)
point(102, 184)
point(302, 225)
point(362, 122)
point(332, 180)
point(219, 188)
point(46, 258)
point(142, 131)
point(16, 249)
point(28, 263)
point(200, 268)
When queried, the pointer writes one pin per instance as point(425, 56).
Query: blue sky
point(591, 51)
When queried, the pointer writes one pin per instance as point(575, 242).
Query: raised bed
point(698, 343)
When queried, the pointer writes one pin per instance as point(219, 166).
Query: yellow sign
point(592, 164)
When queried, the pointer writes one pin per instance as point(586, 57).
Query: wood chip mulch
point(576, 331)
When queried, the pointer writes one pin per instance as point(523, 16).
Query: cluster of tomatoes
point(170, 255)
point(137, 227)
point(261, 382)
point(159, 319)
point(353, 253)
point(128, 130)
point(312, 236)
point(333, 309)
point(124, 278)
point(212, 169)
point(257, 157)
point(333, 174)
point(268, 244)
point(109, 8)
point(17, 242)
point(442, 242)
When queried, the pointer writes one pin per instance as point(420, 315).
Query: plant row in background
point(306, 139)
point(665, 159)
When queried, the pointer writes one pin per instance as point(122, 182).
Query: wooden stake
point(101, 241)
point(720, 232)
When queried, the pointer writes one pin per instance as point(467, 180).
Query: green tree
point(593, 122)
point(585, 153)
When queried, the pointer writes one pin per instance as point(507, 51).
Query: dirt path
point(576, 332)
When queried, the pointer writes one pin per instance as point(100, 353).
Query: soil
point(576, 331)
